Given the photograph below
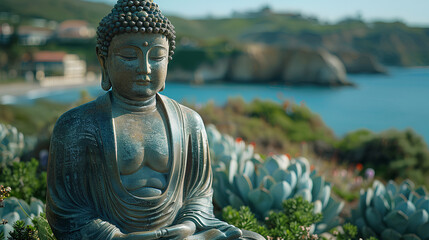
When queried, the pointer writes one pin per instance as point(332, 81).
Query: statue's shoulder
point(191, 117)
point(80, 117)
point(76, 115)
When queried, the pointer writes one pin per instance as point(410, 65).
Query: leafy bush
point(271, 126)
point(40, 230)
point(24, 180)
point(294, 222)
point(23, 232)
point(243, 219)
point(393, 154)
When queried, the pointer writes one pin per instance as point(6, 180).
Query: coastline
point(19, 89)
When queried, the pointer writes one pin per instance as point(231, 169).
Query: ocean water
point(379, 102)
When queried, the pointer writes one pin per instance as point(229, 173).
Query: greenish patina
point(133, 164)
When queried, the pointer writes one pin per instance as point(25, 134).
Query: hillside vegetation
point(58, 10)
point(391, 43)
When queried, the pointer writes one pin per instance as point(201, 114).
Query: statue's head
point(135, 42)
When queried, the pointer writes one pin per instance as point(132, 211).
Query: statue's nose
point(144, 66)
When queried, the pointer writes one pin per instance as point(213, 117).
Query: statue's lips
point(143, 80)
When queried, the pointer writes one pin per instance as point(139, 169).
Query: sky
point(412, 12)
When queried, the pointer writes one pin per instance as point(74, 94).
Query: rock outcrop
point(314, 67)
point(265, 64)
point(360, 63)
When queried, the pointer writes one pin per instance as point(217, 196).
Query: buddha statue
point(133, 164)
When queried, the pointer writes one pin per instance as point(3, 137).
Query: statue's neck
point(148, 105)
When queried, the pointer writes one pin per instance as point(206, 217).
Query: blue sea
point(378, 102)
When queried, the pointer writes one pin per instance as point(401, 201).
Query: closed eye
point(157, 53)
point(157, 58)
point(128, 53)
point(127, 58)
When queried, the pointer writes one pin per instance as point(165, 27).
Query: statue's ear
point(105, 79)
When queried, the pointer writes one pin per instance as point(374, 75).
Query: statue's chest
point(141, 142)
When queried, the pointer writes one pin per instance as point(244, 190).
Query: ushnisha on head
point(134, 16)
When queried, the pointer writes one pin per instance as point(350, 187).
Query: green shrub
point(243, 219)
point(393, 154)
point(294, 222)
point(23, 232)
point(43, 228)
point(24, 180)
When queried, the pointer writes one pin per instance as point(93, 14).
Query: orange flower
point(253, 144)
point(359, 167)
point(238, 140)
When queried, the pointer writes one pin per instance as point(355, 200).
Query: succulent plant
point(16, 209)
point(393, 212)
point(11, 144)
point(243, 178)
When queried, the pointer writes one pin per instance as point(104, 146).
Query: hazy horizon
point(413, 12)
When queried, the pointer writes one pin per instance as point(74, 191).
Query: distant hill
point(58, 10)
point(389, 43)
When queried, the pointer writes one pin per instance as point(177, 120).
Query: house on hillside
point(34, 36)
point(56, 68)
point(74, 30)
point(5, 33)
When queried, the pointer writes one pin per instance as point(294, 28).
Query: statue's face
point(137, 64)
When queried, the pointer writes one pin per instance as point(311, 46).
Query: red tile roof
point(49, 56)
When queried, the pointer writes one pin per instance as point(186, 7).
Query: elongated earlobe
point(105, 82)
point(162, 89)
point(105, 79)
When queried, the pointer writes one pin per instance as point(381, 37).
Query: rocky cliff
point(264, 64)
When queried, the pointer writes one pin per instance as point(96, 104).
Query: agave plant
point(242, 178)
point(11, 144)
point(393, 212)
point(17, 209)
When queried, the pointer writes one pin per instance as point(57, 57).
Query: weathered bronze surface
point(133, 164)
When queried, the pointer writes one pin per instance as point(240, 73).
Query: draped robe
point(86, 199)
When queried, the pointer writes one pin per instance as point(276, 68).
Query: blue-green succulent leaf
point(374, 220)
point(280, 175)
point(392, 188)
point(367, 232)
point(235, 201)
point(261, 200)
point(271, 165)
point(421, 191)
point(305, 194)
point(318, 184)
point(390, 234)
point(317, 206)
point(297, 169)
point(381, 204)
point(244, 186)
point(292, 179)
point(406, 207)
point(424, 204)
point(423, 231)
point(410, 236)
point(280, 192)
point(419, 218)
point(397, 220)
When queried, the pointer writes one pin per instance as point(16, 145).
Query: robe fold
point(86, 199)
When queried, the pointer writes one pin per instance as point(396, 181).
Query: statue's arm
point(68, 204)
point(197, 206)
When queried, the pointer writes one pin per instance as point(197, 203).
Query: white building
point(57, 68)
